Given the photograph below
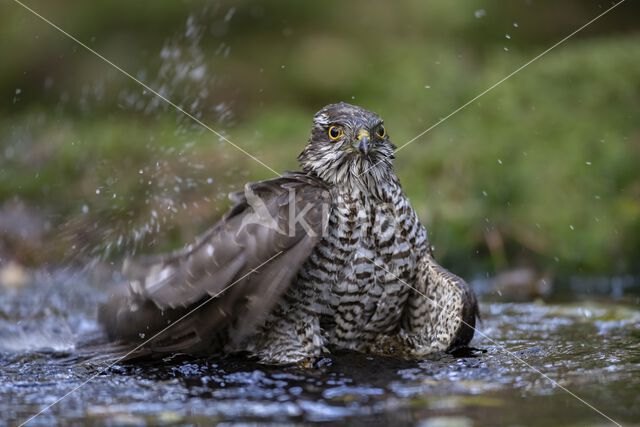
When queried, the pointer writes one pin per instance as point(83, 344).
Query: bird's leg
point(291, 338)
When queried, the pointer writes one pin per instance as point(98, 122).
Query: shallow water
point(591, 349)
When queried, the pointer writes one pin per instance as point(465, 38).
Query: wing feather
point(441, 314)
point(279, 221)
point(465, 311)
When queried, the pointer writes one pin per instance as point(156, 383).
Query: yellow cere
point(362, 133)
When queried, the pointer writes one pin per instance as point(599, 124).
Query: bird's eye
point(381, 131)
point(335, 133)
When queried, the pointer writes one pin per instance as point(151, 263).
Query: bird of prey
point(330, 257)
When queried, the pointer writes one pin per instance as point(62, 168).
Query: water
point(591, 348)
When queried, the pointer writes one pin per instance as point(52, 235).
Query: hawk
point(329, 257)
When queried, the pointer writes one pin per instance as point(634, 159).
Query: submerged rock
point(13, 276)
point(522, 284)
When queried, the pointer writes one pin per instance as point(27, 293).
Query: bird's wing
point(246, 262)
point(443, 309)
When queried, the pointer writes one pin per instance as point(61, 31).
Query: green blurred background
point(541, 172)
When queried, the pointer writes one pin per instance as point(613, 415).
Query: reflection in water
point(592, 349)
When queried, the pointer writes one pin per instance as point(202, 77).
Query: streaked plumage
point(354, 271)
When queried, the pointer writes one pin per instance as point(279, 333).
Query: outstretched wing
point(246, 262)
point(442, 311)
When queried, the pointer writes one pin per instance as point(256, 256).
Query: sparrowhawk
point(329, 257)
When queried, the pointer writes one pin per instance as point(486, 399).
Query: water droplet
point(229, 14)
point(198, 73)
point(480, 13)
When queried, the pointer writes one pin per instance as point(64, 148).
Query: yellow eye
point(381, 131)
point(335, 133)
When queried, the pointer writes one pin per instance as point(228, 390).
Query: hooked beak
point(363, 138)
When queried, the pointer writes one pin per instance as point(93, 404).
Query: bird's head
point(348, 144)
